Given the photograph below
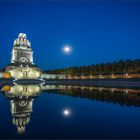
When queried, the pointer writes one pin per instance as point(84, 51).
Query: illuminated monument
point(22, 51)
point(22, 65)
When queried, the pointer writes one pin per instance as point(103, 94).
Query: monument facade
point(22, 65)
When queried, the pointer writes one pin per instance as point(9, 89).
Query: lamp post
point(126, 75)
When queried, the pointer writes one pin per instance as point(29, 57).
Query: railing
point(112, 76)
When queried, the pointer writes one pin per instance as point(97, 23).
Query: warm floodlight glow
point(67, 49)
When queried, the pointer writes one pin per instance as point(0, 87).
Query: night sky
point(98, 32)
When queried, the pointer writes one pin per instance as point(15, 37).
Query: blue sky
point(97, 31)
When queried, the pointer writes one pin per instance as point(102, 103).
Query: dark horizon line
point(115, 61)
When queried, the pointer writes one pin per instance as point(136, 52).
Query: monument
point(22, 51)
point(22, 65)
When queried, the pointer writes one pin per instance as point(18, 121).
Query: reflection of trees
point(117, 97)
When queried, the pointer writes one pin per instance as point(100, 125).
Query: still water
point(58, 111)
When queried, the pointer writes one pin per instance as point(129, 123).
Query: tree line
point(119, 67)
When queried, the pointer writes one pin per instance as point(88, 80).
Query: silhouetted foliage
point(120, 67)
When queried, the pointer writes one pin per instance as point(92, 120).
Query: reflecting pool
point(64, 111)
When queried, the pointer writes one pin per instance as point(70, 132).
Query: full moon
point(66, 112)
point(66, 49)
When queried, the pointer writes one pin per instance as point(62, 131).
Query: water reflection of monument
point(21, 101)
point(21, 110)
point(22, 97)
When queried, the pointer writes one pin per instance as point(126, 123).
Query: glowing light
point(67, 49)
point(66, 112)
point(6, 75)
point(6, 88)
point(100, 89)
point(112, 90)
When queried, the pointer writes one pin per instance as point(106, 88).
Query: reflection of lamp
point(6, 88)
